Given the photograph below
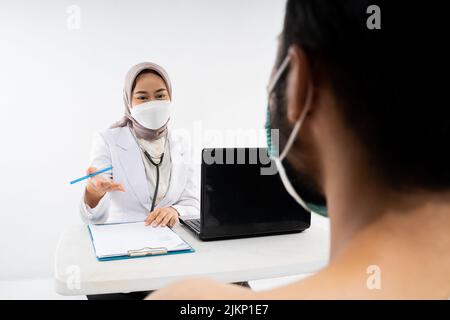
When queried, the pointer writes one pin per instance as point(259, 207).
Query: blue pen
point(90, 175)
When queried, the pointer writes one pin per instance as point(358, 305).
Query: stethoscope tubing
point(155, 193)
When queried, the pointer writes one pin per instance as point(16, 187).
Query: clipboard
point(142, 251)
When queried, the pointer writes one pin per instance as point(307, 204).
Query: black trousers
point(140, 295)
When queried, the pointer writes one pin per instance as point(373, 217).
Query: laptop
point(242, 195)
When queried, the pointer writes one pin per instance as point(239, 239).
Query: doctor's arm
point(95, 202)
point(188, 204)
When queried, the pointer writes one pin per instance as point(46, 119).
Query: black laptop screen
point(243, 195)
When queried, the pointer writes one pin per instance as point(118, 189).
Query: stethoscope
point(157, 165)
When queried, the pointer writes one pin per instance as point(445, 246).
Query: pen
point(90, 175)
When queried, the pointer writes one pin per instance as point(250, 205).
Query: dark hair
point(386, 80)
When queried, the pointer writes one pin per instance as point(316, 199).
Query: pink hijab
point(141, 131)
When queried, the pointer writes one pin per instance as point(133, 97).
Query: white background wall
point(58, 86)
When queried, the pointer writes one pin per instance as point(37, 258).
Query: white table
point(78, 272)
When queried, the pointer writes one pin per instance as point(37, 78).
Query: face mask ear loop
point(298, 124)
point(288, 186)
point(278, 74)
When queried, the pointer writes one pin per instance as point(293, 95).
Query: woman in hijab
point(152, 176)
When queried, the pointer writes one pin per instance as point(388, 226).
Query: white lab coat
point(116, 147)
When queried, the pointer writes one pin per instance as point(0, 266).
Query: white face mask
point(153, 114)
point(279, 158)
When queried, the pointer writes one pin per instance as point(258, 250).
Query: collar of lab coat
point(132, 164)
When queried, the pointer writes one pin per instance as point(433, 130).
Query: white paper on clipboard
point(113, 240)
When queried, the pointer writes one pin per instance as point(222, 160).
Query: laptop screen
point(242, 194)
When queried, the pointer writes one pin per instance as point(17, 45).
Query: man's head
point(374, 90)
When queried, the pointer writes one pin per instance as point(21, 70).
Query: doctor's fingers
point(91, 170)
point(151, 217)
point(117, 187)
point(105, 185)
point(166, 220)
point(173, 221)
point(160, 218)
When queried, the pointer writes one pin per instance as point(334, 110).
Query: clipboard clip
point(147, 251)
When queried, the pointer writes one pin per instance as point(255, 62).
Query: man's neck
point(357, 200)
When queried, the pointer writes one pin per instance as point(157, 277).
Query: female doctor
point(152, 177)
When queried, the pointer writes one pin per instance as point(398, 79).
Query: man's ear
point(298, 80)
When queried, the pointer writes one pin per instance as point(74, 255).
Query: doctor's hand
point(167, 216)
point(98, 186)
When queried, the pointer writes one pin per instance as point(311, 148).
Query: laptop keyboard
point(194, 224)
